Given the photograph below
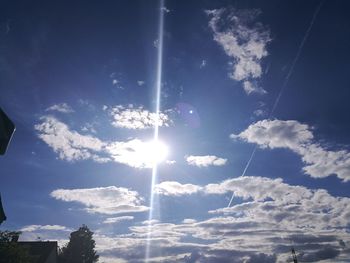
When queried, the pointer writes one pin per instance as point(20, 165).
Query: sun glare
point(155, 151)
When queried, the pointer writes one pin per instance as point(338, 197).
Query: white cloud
point(166, 10)
point(61, 107)
point(137, 118)
point(205, 160)
point(113, 220)
point(72, 146)
point(244, 40)
point(268, 200)
point(105, 200)
point(150, 222)
point(175, 188)
point(299, 138)
point(260, 113)
point(156, 43)
point(32, 228)
point(117, 84)
point(89, 127)
point(189, 221)
point(249, 88)
point(270, 216)
point(203, 64)
point(141, 82)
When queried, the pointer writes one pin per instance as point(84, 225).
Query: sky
point(183, 131)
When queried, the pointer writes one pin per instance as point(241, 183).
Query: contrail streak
point(244, 171)
point(285, 83)
point(156, 128)
point(286, 80)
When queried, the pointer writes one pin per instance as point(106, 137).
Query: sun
point(155, 151)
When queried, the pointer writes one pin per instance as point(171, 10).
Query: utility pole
point(295, 260)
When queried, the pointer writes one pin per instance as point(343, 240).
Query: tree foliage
point(80, 248)
point(10, 251)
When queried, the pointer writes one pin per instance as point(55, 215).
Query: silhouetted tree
point(10, 251)
point(80, 248)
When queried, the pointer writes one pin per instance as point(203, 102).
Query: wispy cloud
point(299, 138)
point(61, 107)
point(141, 82)
point(203, 64)
point(137, 118)
point(205, 160)
point(249, 87)
point(260, 113)
point(105, 200)
point(166, 10)
point(244, 40)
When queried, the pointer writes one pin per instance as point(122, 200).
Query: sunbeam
point(156, 128)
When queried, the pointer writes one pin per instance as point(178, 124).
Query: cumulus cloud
point(61, 107)
point(104, 200)
point(137, 118)
point(244, 40)
point(205, 160)
point(175, 189)
point(72, 146)
point(113, 220)
point(298, 137)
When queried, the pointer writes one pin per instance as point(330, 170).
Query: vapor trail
point(156, 128)
point(285, 83)
point(286, 80)
point(244, 171)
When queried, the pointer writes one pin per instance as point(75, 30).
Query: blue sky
point(79, 80)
